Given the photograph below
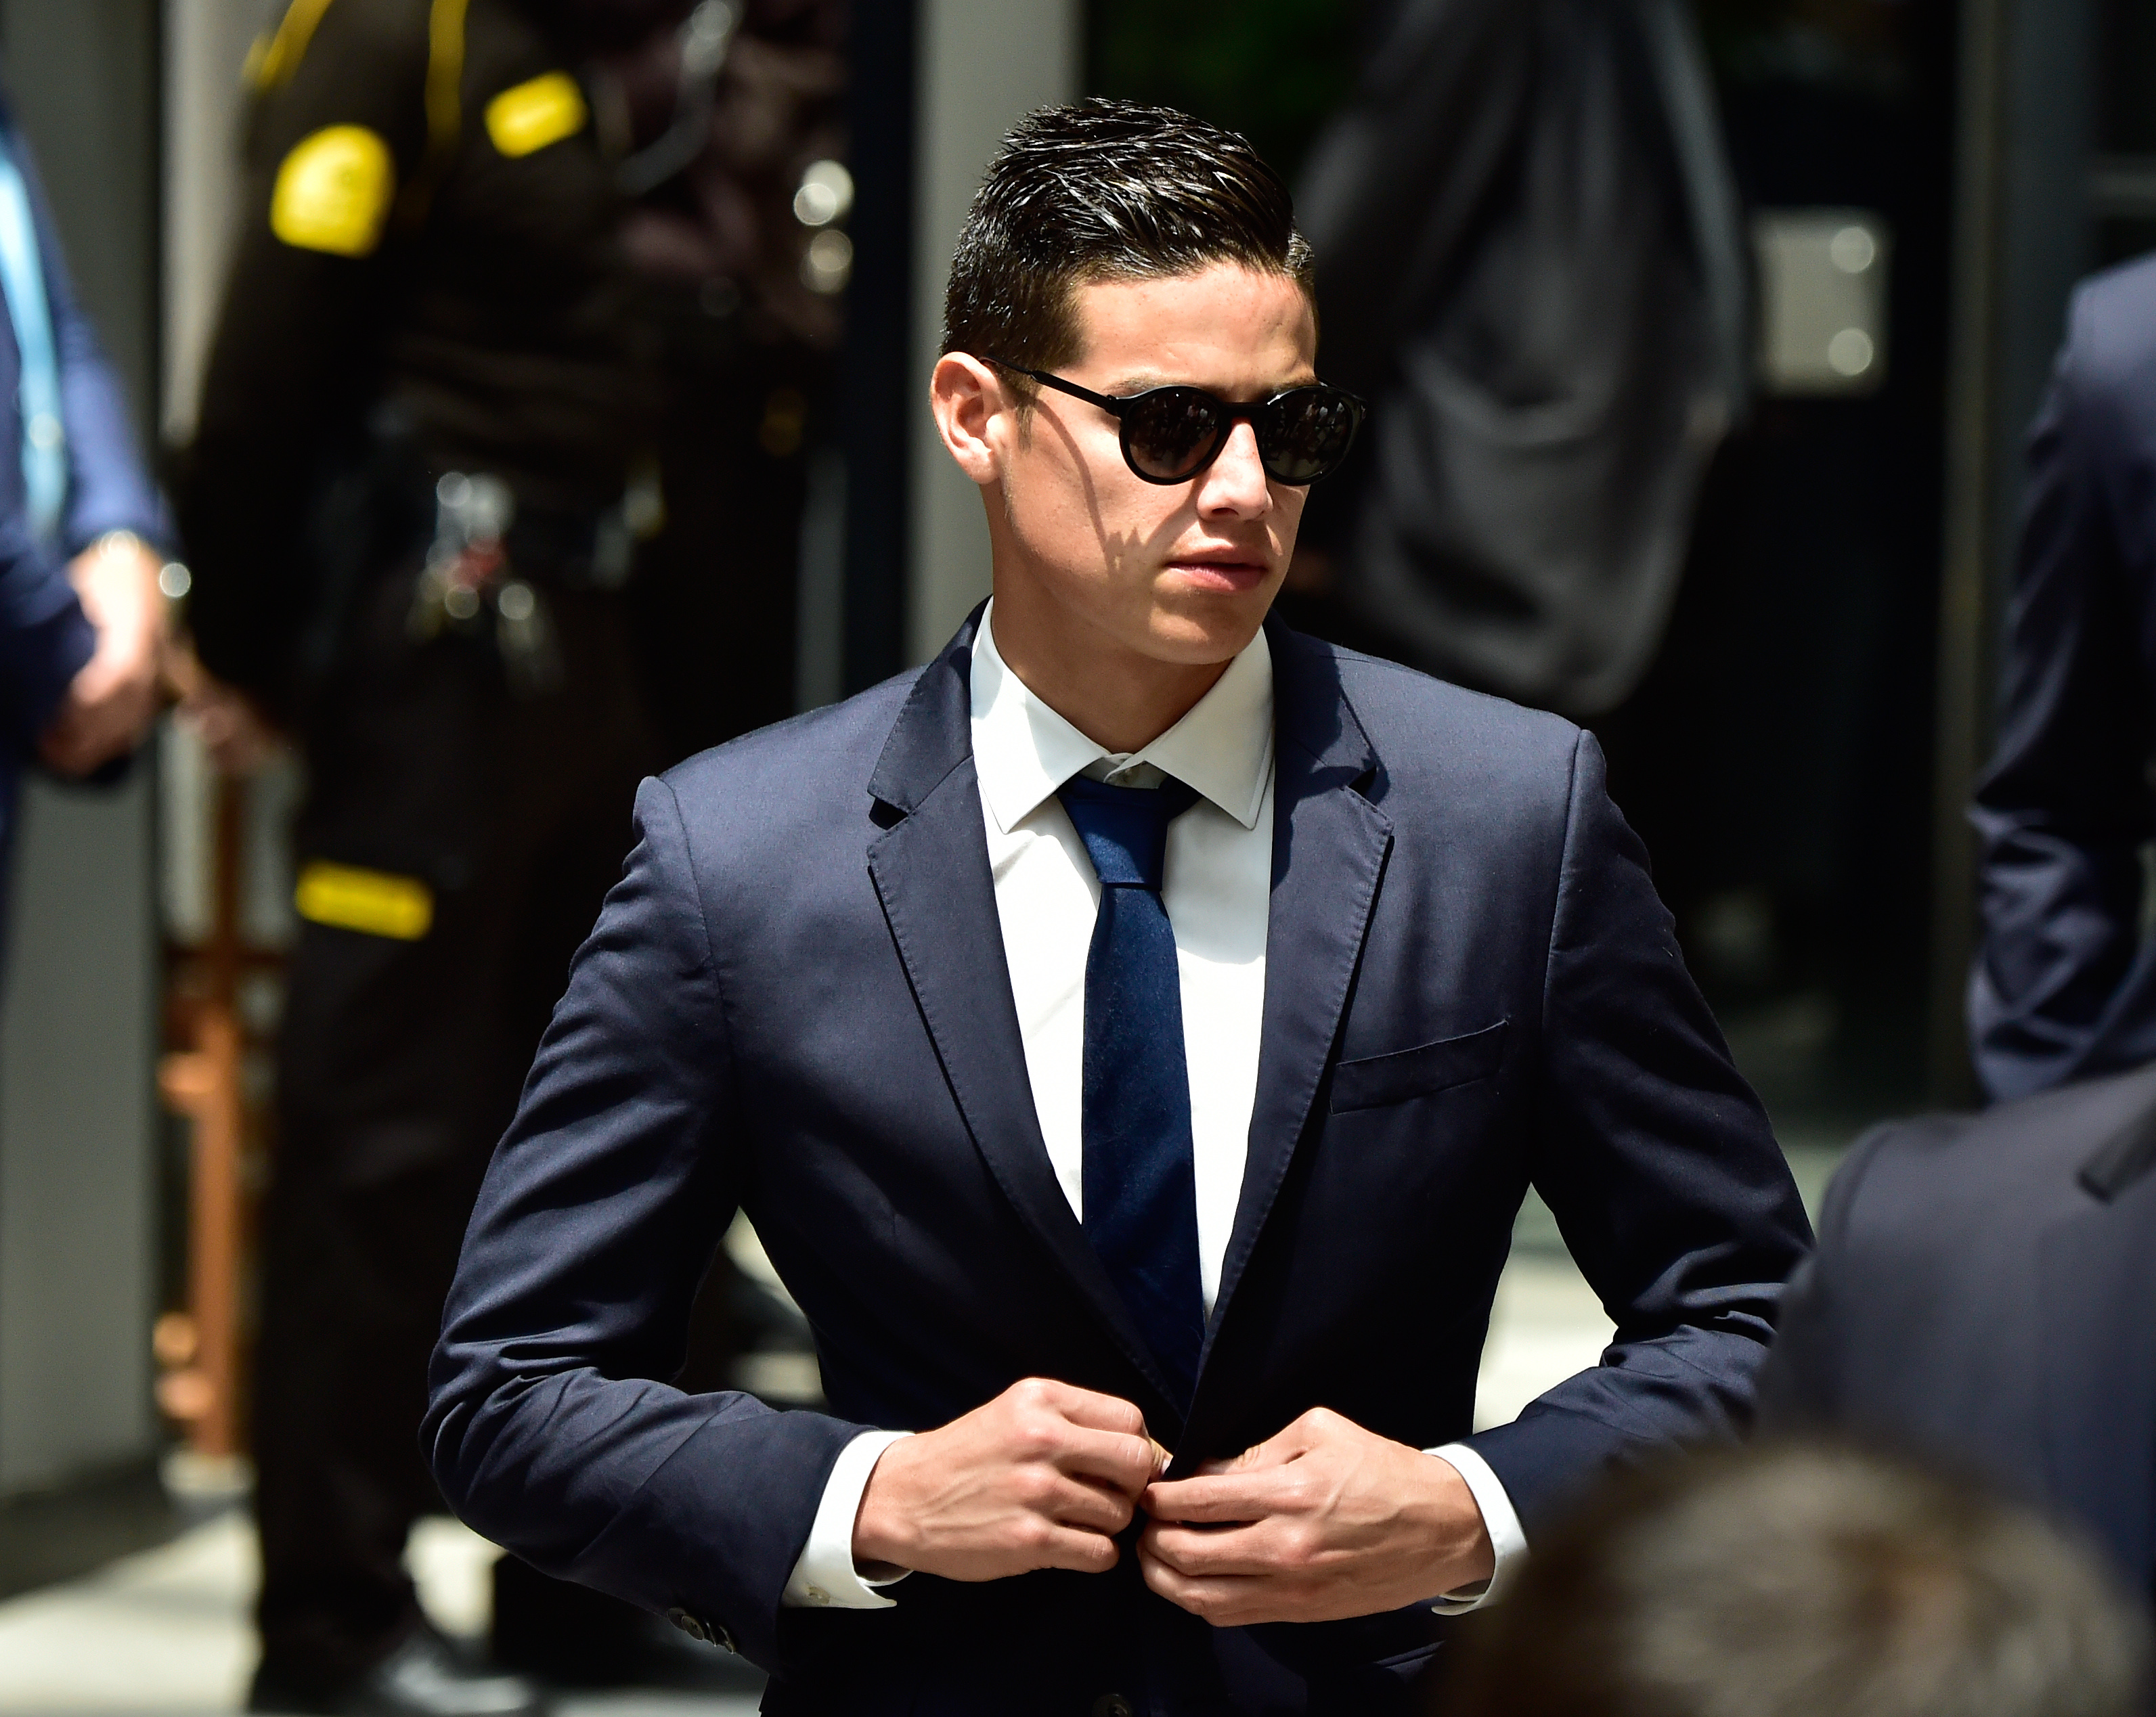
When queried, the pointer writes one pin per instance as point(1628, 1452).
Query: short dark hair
point(1106, 190)
point(1796, 1580)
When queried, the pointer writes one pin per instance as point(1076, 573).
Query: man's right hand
point(1043, 1476)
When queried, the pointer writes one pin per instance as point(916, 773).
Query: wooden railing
point(202, 1350)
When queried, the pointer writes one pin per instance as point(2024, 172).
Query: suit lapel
point(1330, 844)
point(931, 870)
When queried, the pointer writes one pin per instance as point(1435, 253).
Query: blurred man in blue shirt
point(82, 623)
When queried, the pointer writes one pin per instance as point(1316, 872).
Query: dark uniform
point(434, 293)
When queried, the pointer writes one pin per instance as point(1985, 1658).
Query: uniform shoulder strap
point(444, 107)
point(273, 57)
point(445, 74)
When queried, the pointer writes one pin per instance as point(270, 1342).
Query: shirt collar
point(1023, 751)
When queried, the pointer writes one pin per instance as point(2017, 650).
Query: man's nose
point(1236, 482)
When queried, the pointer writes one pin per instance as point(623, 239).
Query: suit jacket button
point(1112, 1704)
point(695, 1627)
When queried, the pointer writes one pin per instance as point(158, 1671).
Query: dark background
point(1781, 758)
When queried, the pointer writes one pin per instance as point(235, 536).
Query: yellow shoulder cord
point(273, 59)
point(446, 73)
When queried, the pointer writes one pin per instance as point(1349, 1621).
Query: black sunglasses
point(1170, 434)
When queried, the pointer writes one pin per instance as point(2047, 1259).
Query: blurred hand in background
point(117, 694)
point(239, 738)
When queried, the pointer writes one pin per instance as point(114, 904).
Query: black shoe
point(424, 1677)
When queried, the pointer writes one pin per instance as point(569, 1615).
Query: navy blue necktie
point(1141, 1195)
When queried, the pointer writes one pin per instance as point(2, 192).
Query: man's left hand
point(1325, 1520)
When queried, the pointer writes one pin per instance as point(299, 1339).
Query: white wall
point(205, 43)
point(78, 1191)
point(983, 64)
point(78, 1014)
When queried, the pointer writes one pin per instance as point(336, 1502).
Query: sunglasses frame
point(1119, 406)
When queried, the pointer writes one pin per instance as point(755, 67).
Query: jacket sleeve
point(297, 343)
point(109, 486)
point(1661, 1169)
point(1801, 1386)
point(44, 636)
point(2065, 807)
point(548, 1427)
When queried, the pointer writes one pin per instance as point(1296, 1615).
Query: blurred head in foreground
point(1802, 1581)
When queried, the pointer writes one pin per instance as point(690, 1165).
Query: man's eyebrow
point(1140, 380)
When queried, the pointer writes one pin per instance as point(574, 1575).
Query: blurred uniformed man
point(429, 451)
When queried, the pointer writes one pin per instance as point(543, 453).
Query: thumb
point(1276, 1451)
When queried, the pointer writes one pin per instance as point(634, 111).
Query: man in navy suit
point(82, 624)
point(1133, 1036)
point(2065, 983)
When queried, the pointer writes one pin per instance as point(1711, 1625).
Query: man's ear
point(966, 397)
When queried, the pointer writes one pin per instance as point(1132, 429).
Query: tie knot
point(1125, 829)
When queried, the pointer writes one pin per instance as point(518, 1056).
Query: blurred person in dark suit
point(432, 445)
point(2064, 981)
point(1802, 1581)
point(82, 623)
point(1529, 260)
point(1983, 1285)
point(1984, 1293)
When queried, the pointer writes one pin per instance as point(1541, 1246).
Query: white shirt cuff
point(825, 1577)
point(1499, 1519)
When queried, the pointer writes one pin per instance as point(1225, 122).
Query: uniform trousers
point(400, 1063)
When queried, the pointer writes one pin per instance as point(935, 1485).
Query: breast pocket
point(1376, 1080)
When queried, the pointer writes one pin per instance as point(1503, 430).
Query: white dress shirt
point(1216, 891)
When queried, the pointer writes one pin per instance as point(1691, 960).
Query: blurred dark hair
point(1800, 1580)
point(1106, 190)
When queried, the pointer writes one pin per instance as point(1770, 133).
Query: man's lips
point(1222, 572)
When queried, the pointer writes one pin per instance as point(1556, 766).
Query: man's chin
point(1211, 629)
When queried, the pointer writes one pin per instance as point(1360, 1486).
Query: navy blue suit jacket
point(2064, 986)
point(1985, 1292)
point(44, 640)
point(796, 1001)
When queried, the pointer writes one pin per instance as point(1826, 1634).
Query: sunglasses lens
point(1307, 433)
point(1170, 432)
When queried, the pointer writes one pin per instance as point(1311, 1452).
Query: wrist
point(883, 1534)
point(108, 542)
point(1461, 1552)
point(116, 579)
